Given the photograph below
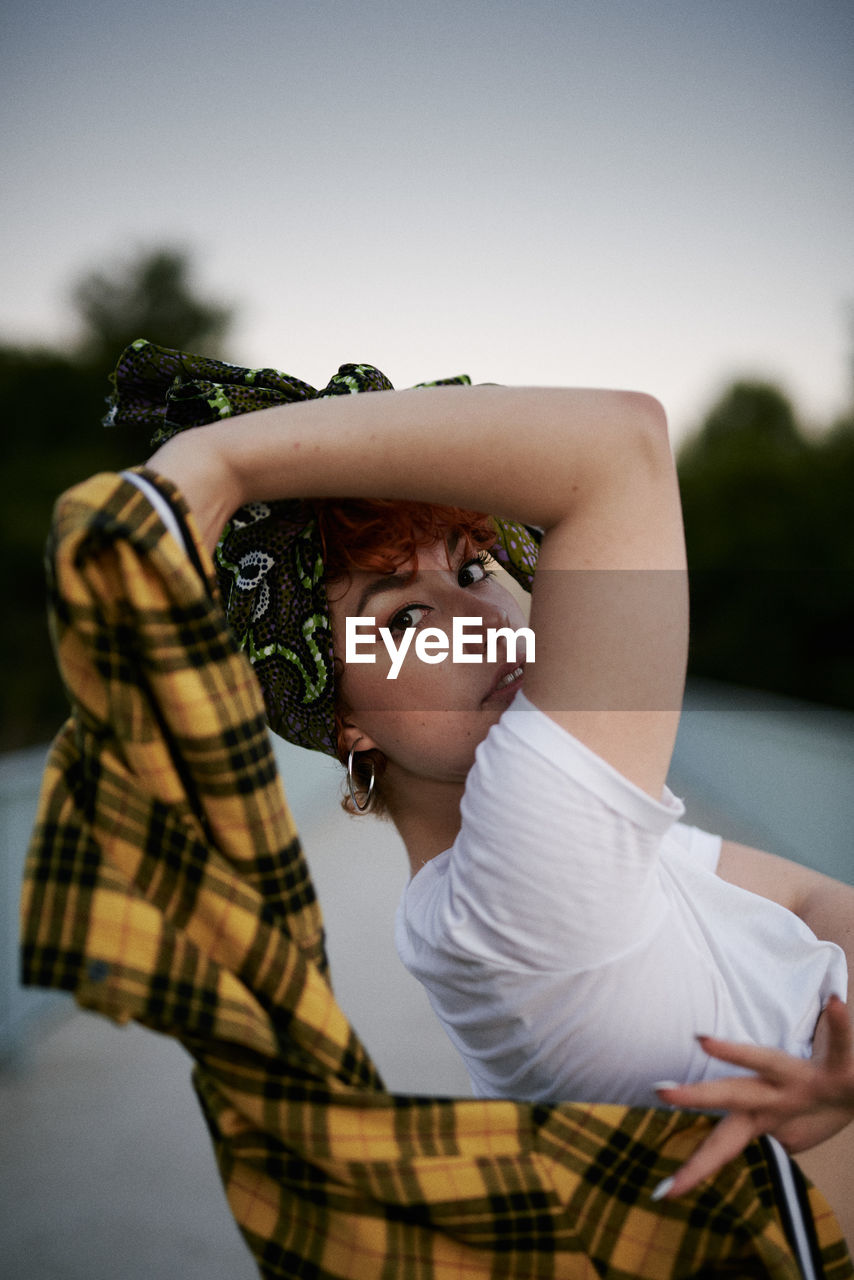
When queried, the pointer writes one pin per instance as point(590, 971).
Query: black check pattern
point(166, 883)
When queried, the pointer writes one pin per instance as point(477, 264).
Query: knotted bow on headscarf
point(270, 559)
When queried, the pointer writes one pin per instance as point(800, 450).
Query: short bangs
point(380, 535)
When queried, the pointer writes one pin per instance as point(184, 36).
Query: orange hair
point(379, 535)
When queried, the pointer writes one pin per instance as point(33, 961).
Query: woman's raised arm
point(592, 468)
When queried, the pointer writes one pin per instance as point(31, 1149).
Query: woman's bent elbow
point(649, 413)
point(644, 439)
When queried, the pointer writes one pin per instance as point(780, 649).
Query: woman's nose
point(489, 612)
point(501, 636)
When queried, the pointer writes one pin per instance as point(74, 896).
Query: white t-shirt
point(575, 939)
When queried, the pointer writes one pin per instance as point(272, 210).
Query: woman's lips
point(508, 682)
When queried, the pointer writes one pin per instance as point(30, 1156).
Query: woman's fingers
point(840, 1037)
point(777, 1075)
point(727, 1094)
point(801, 1101)
point(773, 1064)
point(827, 1077)
point(726, 1141)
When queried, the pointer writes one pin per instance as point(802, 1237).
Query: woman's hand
point(801, 1102)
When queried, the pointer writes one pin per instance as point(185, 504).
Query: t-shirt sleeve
point(556, 862)
point(701, 845)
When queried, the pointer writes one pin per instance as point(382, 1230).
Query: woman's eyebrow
point(391, 581)
point(388, 582)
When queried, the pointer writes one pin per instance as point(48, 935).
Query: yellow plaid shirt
point(165, 883)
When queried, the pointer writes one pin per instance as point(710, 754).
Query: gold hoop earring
point(351, 783)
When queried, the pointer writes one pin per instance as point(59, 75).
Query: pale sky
point(651, 194)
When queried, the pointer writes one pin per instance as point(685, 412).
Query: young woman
point(574, 937)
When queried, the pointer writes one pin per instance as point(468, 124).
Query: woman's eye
point(411, 616)
point(472, 572)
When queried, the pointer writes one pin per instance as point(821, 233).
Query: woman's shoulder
point(528, 751)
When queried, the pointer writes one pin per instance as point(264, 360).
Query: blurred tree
point(53, 405)
point(770, 548)
point(151, 296)
point(740, 476)
point(750, 417)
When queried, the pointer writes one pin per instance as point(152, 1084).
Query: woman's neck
point(426, 813)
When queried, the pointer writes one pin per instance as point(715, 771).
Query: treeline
point(767, 505)
point(53, 403)
point(770, 537)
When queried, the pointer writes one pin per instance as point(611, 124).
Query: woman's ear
point(353, 737)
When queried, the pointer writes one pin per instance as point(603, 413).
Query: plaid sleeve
point(165, 883)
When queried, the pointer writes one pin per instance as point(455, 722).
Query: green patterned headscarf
point(269, 559)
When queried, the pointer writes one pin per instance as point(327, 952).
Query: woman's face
point(431, 717)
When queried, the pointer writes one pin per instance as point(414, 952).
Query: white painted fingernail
point(662, 1189)
point(666, 1084)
